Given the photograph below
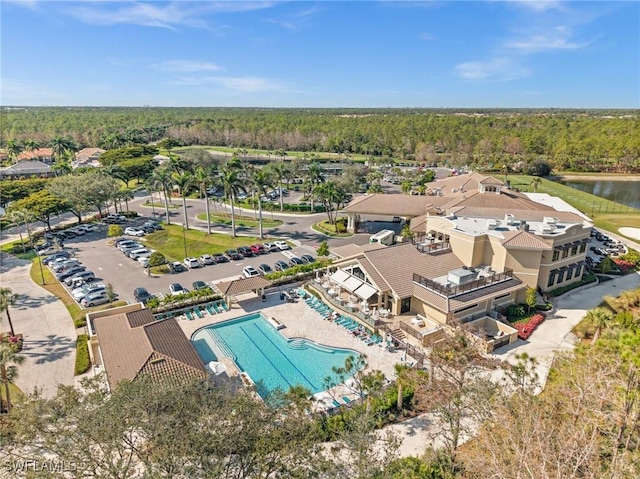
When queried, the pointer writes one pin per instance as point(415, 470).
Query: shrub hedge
point(83, 363)
point(525, 330)
point(587, 278)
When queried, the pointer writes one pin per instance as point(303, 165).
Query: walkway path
point(49, 334)
point(551, 336)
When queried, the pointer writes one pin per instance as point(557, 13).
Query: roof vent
point(508, 218)
point(524, 226)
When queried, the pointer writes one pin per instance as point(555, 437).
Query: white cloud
point(539, 5)
point(30, 4)
point(163, 15)
point(558, 38)
point(15, 92)
point(425, 36)
point(187, 66)
point(497, 69)
point(244, 84)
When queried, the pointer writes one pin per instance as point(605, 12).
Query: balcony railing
point(450, 290)
point(433, 247)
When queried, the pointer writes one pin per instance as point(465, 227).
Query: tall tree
point(279, 171)
point(8, 298)
point(9, 360)
point(600, 317)
point(315, 176)
point(59, 145)
point(31, 145)
point(232, 183)
point(42, 205)
point(19, 217)
point(183, 181)
point(260, 181)
point(13, 148)
point(205, 179)
point(161, 178)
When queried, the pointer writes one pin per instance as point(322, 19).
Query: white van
point(385, 237)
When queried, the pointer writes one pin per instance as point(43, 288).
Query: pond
point(623, 192)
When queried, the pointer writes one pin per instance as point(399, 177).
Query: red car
point(257, 249)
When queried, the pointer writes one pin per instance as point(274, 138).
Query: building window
point(560, 276)
point(467, 308)
point(556, 255)
point(569, 274)
point(552, 278)
point(583, 247)
point(579, 271)
point(565, 253)
point(574, 250)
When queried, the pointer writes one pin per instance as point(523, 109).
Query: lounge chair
point(198, 313)
point(189, 315)
point(223, 305)
point(346, 399)
point(210, 309)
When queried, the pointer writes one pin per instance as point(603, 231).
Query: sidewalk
point(49, 334)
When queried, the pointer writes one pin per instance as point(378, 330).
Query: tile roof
point(518, 214)
point(490, 180)
point(37, 153)
point(396, 264)
point(373, 275)
point(418, 224)
point(390, 205)
point(89, 153)
point(523, 239)
point(128, 351)
point(27, 167)
point(351, 249)
point(504, 199)
point(242, 285)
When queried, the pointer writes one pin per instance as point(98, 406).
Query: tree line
point(569, 139)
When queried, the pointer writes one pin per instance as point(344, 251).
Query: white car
point(133, 231)
point(144, 261)
point(282, 245)
point(250, 272)
point(176, 289)
point(137, 253)
point(83, 291)
point(191, 263)
point(206, 259)
point(94, 299)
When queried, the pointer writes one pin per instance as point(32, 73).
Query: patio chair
point(210, 309)
point(223, 305)
point(189, 315)
point(346, 399)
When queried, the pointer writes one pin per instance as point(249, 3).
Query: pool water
point(270, 359)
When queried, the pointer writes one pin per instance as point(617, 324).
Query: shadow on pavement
point(52, 348)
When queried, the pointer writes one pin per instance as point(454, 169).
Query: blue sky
point(519, 53)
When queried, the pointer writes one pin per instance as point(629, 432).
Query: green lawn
point(606, 214)
point(170, 242)
point(290, 154)
point(246, 221)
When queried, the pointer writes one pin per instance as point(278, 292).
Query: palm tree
point(314, 176)
point(599, 316)
point(8, 298)
point(9, 358)
point(150, 186)
point(260, 180)
point(13, 149)
point(16, 216)
point(183, 181)
point(31, 146)
point(535, 183)
point(204, 179)
point(280, 172)
point(403, 380)
point(59, 145)
point(406, 186)
point(161, 178)
point(232, 183)
point(330, 195)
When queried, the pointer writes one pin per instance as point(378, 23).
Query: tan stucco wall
point(525, 264)
point(419, 307)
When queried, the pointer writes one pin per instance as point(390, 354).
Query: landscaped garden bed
point(526, 328)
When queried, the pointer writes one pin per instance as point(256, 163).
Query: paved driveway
point(49, 334)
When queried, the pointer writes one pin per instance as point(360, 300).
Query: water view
point(623, 192)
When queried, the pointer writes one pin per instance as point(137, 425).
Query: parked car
point(76, 231)
point(124, 242)
point(245, 251)
point(192, 263)
point(270, 247)
point(142, 295)
point(128, 249)
point(60, 266)
point(282, 245)
point(295, 261)
point(206, 259)
point(200, 285)
point(250, 272)
point(176, 289)
point(144, 261)
point(147, 229)
point(137, 253)
point(113, 219)
point(85, 276)
point(82, 291)
point(233, 254)
point(55, 256)
point(307, 258)
point(153, 224)
point(220, 258)
point(258, 249)
point(280, 266)
point(94, 299)
point(88, 228)
point(177, 267)
point(265, 268)
point(134, 232)
point(69, 272)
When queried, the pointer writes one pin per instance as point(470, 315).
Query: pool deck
point(300, 321)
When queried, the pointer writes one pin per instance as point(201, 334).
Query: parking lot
point(110, 265)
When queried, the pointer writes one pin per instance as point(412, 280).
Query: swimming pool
point(270, 359)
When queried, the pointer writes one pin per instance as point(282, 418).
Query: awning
point(352, 283)
point(339, 277)
point(365, 291)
